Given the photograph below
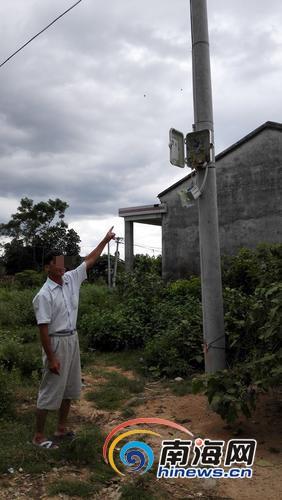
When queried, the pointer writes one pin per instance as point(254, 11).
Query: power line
point(143, 246)
point(40, 32)
point(147, 248)
point(157, 249)
point(135, 245)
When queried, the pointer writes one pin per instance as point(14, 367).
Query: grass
point(86, 450)
point(180, 388)
point(139, 489)
point(17, 450)
point(128, 412)
point(77, 488)
point(127, 359)
point(115, 391)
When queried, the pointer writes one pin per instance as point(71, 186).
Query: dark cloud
point(86, 108)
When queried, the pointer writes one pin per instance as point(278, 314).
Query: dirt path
point(265, 427)
point(190, 410)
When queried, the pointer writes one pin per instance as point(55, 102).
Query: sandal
point(47, 445)
point(66, 435)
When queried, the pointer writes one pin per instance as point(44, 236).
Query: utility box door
point(176, 146)
point(198, 146)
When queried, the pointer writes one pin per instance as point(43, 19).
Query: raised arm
point(93, 256)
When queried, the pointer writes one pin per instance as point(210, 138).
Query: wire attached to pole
point(204, 180)
point(40, 32)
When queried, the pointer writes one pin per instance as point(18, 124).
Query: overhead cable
point(35, 36)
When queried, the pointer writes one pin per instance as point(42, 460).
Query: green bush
point(239, 331)
point(23, 335)
point(146, 286)
point(177, 349)
point(14, 354)
point(125, 318)
point(16, 307)
point(175, 344)
point(95, 298)
point(104, 330)
point(182, 290)
point(252, 323)
point(144, 264)
point(6, 394)
point(252, 268)
point(235, 391)
point(267, 316)
point(29, 279)
point(254, 353)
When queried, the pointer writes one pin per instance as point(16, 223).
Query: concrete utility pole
point(118, 240)
point(109, 266)
point(128, 250)
point(213, 322)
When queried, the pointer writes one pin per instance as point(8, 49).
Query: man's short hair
point(50, 256)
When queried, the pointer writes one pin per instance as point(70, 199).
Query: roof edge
point(256, 131)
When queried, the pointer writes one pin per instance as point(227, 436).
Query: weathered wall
point(249, 182)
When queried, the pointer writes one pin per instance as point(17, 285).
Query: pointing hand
point(110, 234)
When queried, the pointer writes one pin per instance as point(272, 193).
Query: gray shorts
point(54, 388)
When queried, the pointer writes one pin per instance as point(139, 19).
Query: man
point(55, 307)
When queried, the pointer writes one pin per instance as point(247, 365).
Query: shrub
point(95, 298)
point(252, 268)
point(125, 319)
point(144, 264)
point(182, 290)
point(235, 391)
point(104, 330)
point(176, 346)
point(6, 394)
point(16, 308)
point(29, 279)
point(16, 355)
point(239, 331)
point(252, 323)
point(253, 327)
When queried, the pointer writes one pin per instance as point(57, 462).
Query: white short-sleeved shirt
point(57, 304)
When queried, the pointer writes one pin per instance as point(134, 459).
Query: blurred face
point(56, 268)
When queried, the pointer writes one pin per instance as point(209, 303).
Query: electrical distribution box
point(198, 148)
point(193, 193)
point(176, 146)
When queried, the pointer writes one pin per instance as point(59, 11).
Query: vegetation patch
point(72, 487)
point(115, 391)
point(7, 399)
point(17, 450)
point(128, 412)
point(181, 388)
point(127, 359)
point(141, 489)
point(86, 449)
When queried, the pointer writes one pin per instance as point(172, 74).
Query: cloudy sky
point(86, 107)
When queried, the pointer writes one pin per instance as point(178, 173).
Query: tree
point(147, 264)
point(34, 230)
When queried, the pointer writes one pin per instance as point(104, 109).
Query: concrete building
point(249, 182)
